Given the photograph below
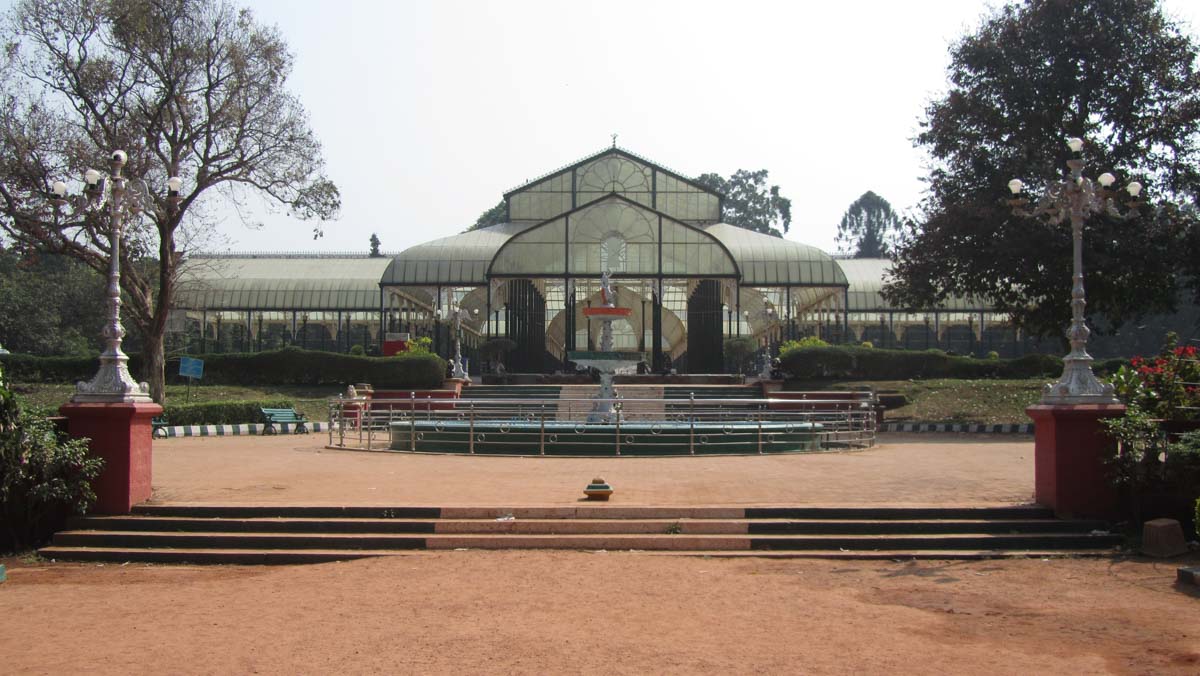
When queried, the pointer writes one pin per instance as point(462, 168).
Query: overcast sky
point(429, 111)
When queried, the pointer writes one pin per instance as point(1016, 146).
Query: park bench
point(159, 425)
point(275, 416)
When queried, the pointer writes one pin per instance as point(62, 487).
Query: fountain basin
point(606, 361)
point(559, 437)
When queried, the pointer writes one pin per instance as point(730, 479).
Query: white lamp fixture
point(1015, 186)
point(1075, 144)
point(1134, 188)
point(1106, 179)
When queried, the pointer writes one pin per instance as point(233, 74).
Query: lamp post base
point(1070, 451)
point(121, 434)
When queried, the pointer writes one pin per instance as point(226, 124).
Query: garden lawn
point(311, 401)
point(946, 400)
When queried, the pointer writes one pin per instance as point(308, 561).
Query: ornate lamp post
point(767, 315)
point(120, 199)
point(458, 313)
point(1076, 198)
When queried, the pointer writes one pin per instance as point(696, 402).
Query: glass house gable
point(618, 234)
point(614, 171)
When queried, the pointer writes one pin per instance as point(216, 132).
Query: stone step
point(1017, 512)
point(578, 526)
point(291, 556)
point(646, 541)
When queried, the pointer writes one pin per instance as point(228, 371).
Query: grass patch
point(309, 400)
point(949, 400)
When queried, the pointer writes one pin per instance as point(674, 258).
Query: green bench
point(275, 416)
point(159, 427)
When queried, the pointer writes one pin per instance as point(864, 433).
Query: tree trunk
point(153, 366)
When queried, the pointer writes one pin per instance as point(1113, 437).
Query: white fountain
point(606, 360)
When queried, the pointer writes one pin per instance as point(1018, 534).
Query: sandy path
point(904, 469)
point(619, 613)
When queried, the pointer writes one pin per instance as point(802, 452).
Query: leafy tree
point(494, 216)
point(868, 228)
point(750, 203)
point(50, 304)
point(375, 246)
point(189, 88)
point(1117, 73)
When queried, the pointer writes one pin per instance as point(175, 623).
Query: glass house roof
point(280, 283)
point(866, 277)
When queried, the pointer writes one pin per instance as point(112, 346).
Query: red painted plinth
point(122, 435)
point(1070, 449)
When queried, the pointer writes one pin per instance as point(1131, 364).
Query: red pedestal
point(1070, 451)
point(122, 435)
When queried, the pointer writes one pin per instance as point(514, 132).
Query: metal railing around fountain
point(560, 426)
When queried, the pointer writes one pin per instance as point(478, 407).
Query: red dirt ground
point(601, 613)
point(604, 613)
point(297, 469)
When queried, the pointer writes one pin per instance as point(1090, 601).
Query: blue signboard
point(191, 368)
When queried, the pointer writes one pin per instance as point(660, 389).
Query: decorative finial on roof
point(614, 138)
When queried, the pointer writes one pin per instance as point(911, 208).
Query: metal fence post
point(542, 433)
point(760, 416)
point(412, 421)
point(471, 430)
point(618, 429)
point(692, 423)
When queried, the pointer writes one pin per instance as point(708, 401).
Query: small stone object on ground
point(1188, 576)
point(598, 489)
point(1163, 538)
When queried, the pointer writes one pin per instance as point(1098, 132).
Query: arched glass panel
point(537, 251)
point(591, 226)
point(614, 174)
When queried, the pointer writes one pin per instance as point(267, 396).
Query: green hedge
point(220, 412)
point(289, 366)
point(864, 363)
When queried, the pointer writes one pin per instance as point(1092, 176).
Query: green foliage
point(289, 366)
point(50, 304)
point(738, 351)
point(420, 345)
point(819, 363)
point(494, 216)
point(1117, 73)
point(790, 346)
point(1196, 519)
point(993, 355)
point(374, 241)
point(867, 344)
point(868, 228)
point(749, 202)
point(221, 412)
point(43, 478)
point(357, 350)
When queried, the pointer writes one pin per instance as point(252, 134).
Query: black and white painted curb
point(975, 428)
point(234, 430)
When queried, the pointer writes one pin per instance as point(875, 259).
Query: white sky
point(429, 111)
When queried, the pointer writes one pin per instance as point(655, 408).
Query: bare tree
point(189, 88)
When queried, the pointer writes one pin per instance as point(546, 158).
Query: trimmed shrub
point(289, 366)
point(220, 412)
point(859, 363)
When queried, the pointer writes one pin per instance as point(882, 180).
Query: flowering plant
point(1165, 386)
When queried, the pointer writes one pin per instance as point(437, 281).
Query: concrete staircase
point(289, 534)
